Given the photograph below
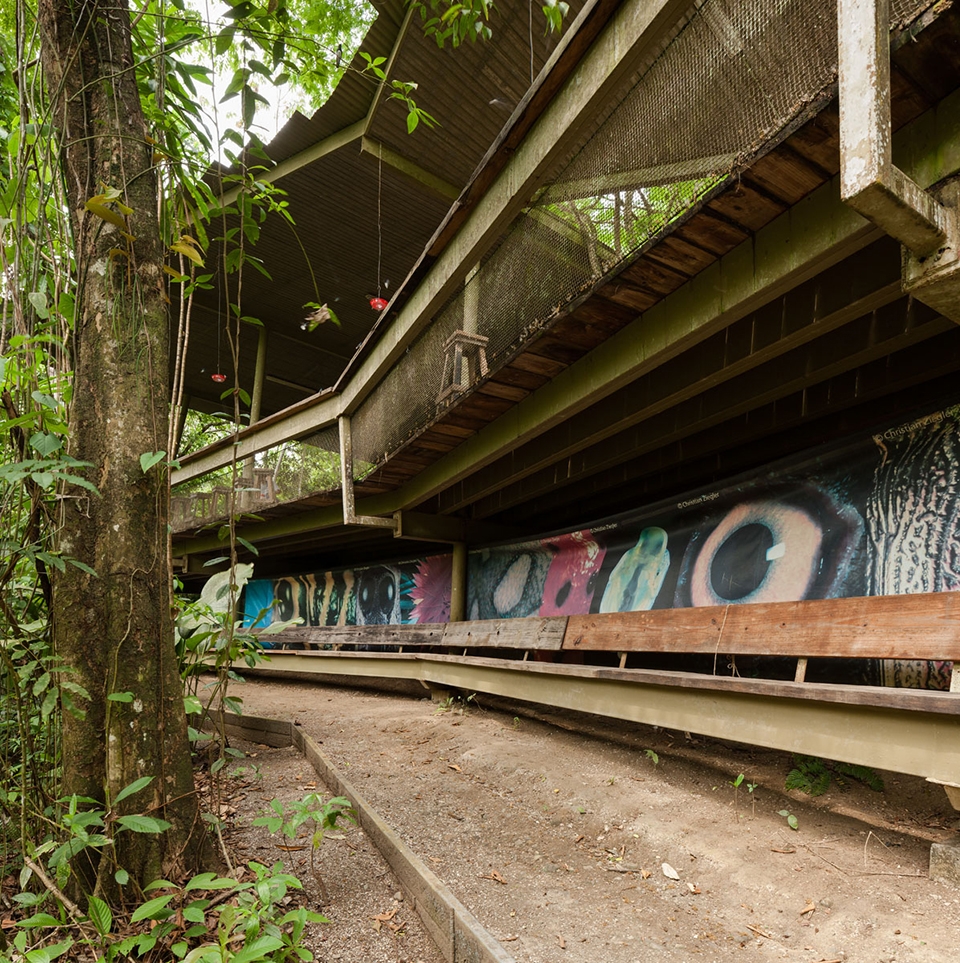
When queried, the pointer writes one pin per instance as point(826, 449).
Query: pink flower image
point(431, 589)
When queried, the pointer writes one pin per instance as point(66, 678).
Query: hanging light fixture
point(378, 303)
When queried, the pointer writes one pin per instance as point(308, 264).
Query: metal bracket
point(870, 182)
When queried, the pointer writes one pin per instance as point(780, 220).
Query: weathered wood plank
point(428, 633)
point(884, 627)
point(507, 633)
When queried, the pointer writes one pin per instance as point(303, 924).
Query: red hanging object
point(378, 304)
point(219, 378)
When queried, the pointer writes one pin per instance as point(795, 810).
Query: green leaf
point(82, 566)
point(209, 881)
point(153, 909)
point(120, 697)
point(100, 915)
point(257, 950)
point(143, 824)
point(39, 301)
point(39, 919)
point(195, 912)
point(45, 444)
point(134, 787)
point(122, 877)
point(150, 458)
point(224, 40)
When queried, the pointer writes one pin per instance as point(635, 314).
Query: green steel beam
point(408, 168)
point(924, 744)
point(307, 156)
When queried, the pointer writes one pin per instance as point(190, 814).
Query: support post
point(458, 583)
point(256, 397)
point(350, 517)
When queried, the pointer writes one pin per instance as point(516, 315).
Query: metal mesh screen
point(738, 74)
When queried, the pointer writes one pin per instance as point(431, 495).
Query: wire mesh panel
point(734, 79)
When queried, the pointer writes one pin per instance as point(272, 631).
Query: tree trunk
point(115, 630)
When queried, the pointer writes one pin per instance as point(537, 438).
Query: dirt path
point(564, 841)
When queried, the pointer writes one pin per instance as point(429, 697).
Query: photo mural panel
point(876, 516)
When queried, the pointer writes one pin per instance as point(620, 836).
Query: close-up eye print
point(377, 596)
point(782, 549)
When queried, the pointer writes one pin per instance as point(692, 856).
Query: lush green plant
point(319, 815)
point(813, 776)
point(456, 702)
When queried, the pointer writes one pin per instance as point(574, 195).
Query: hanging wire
point(379, 218)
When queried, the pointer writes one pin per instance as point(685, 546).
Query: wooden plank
point(746, 206)
point(496, 389)
point(786, 176)
point(428, 633)
point(883, 627)
point(681, 255)
point(713, 233)
point(818, 141)
point(630, 296)
point(507, 633)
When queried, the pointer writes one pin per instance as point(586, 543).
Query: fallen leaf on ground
point(382, 918)
point(645, 874)
point(669, 871)
point(495, 876)
point(693, 889)
point(809, 908)
point(561, 942)
point(510, 939)
point(289, 849)
point(788, 850)
point(455, 767)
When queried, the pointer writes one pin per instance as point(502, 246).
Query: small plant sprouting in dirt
point(456, 703)
point(319, 815)
point(813, 776)
point(652, 756)
point(792, 820)
point(516, 722)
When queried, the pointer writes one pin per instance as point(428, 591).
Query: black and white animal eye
point(376, 596)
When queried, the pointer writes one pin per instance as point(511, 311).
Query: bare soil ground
point(571, 842)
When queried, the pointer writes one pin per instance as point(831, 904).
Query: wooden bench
point(589, 663)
